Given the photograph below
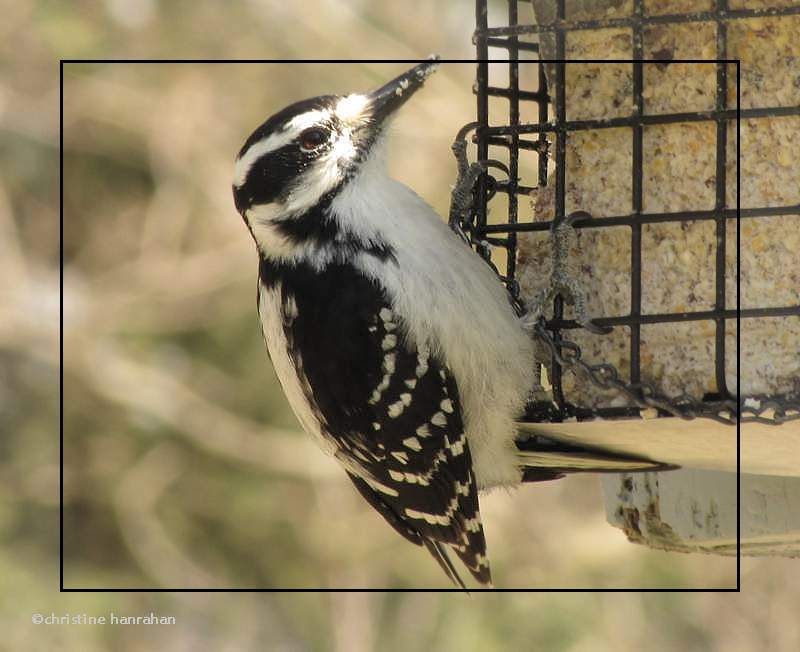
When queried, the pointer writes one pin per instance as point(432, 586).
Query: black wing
point(393, 410)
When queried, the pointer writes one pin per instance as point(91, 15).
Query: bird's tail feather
point(440, 555)
point(545, 459)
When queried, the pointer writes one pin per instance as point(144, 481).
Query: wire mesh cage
point(533, 119)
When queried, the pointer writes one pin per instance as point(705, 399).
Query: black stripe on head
point(317, 226)
point(271, 174)
point(272, 271)
point(284, 116)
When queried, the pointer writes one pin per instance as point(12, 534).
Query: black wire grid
point(516, 38)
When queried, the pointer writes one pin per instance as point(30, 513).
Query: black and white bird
point(376, 316)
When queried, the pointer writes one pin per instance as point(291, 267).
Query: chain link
point(767, 410)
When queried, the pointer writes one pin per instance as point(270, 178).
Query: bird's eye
point(312, 138)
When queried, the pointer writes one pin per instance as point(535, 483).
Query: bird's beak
point(385, 100)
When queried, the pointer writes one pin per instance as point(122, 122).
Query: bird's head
point(307, 152)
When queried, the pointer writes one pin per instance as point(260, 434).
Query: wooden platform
point(697, 444)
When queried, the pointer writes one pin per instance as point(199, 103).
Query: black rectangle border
point(63, 589)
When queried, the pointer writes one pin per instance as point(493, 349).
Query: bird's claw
point(563, 279)
point(462, 198)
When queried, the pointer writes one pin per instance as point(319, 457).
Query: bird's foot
point(463, 195)
point(563, 279)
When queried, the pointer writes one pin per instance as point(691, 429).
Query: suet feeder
point(672, 303)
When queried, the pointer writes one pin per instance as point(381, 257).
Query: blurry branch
point(33, 117)
point(135, 503)
point(28, 295)
point(124, 289)
point(353, 618)
point(151, 391)
point(101, 99)
point(331, 25)
point(29, 324)
point(12, 259)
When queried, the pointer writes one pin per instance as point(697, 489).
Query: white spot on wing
point(457, 448)
point(290, 311)
point(433, 519)
point(361, 456)
point(413, 478)
point(462, 489)
point(412, 443)
point(400, 457)
point(472, 525)
point(439, 419)
point(379, 486)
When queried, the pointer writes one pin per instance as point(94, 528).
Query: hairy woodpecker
point(395, 344)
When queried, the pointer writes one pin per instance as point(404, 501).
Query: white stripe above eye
point(275, 141)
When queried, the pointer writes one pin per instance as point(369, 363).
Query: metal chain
point(606, 376)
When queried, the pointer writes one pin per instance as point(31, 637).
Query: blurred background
point(183, 467)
